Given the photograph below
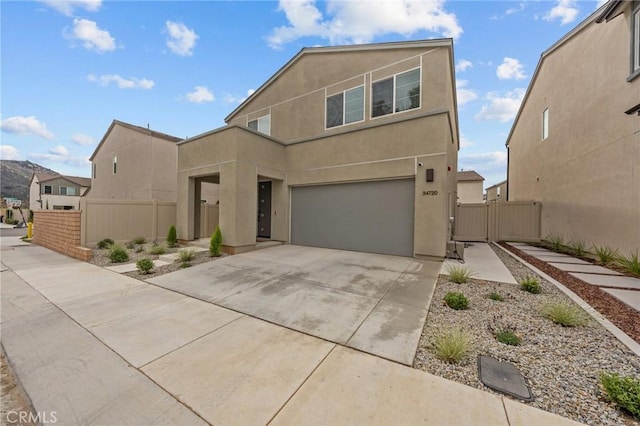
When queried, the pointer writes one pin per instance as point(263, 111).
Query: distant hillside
point(15, 177)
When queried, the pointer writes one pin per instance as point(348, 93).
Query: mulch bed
point(621, 315)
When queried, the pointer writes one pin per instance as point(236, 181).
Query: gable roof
point(143, 130)
point(45, 177)
point(497, 184)
point(444, 42)
point(469, 176)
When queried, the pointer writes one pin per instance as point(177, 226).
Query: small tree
point(172, 237)
point(215, 245)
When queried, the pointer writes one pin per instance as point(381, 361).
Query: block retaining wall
point(60, 231)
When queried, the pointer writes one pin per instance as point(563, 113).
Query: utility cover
point(503, 377)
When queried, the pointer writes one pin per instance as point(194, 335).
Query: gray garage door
point(375, 217)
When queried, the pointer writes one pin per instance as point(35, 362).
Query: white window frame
point(545, 124)
point(60, 190)
point(44, 189)
point(344, 107)
point(394, 77)
point(260, 124)
point(115, 165)
point(71, 191)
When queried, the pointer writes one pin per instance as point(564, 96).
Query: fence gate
point(498, 221)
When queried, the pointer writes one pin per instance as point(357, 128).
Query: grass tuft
point(630, 263)
point(117, 253)
point(186, 255)
point(565, 313)
point(605, 254)
point(496, 296)
point(459, 274)
point(144, 265)
point(452, 345)
point(531, 285)
point(158, 249)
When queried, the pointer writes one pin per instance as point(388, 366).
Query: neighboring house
point(349, 147)
point(575, 142)
point(136, 163)
point(497, 192)
point(470, 187)
point(56, 192)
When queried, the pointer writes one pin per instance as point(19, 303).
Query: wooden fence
point(498, 221)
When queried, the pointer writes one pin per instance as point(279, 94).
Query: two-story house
point(470, 187)
point(349, 147)
point(575, 143)
point(56, 192)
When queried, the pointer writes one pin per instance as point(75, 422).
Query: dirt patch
point(14, 403)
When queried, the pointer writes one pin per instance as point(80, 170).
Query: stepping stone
point(628, 297)
point(562, 259)
point(609, 280)
point(503, 377)
point(591, 269)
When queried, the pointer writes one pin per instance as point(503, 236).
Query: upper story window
point(545, 123)
point(115, 165)
point(47, 189)
point(396, 94)
point(345, 107)
point(63, 190)
point(69, 190)
point(635, 41)
point(262, 124)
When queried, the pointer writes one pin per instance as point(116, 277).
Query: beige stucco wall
point(587, 172)
point(470, 192)
point(492, 192)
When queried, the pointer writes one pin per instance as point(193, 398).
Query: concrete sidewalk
point(483, 263)
point(97, 347)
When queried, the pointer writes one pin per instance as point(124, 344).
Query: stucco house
point(470, 187)
point(136, 163)
point(56, 192)
point(575, 142)
point(349, 147)
point(497, 192)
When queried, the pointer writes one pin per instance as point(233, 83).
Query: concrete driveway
point(374, 303)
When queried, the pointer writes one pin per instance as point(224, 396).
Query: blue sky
point(68, 68)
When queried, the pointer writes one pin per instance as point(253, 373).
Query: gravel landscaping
point(561, 364)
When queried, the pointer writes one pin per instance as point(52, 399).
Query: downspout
point(508, 158)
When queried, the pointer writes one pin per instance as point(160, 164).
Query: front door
point(264, 209)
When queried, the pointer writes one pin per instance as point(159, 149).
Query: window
point(47, 189)
point(345, 108)
point(115, 165)
point(396, 94)
point(63, 190)
point(635, 42)
point(71, 190)
point(262, 124)
point(545, 123)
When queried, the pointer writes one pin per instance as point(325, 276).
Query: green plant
point(172, 237)
point(144, 265)
point(624, 391)
point(185, 264)
point(158, 249)
point(130, 245)
point(578, 247)
point(531, 285)
point(556, 241)
point(452, 345)
point(215, 244)
point(508, 337)
point(106, 243)
point(459, 274)
point(456, 300)
point(631, 263)
point(139, 240)
point(186, 255)
point(117, 253)
point(496, 296)
point(605, 254)
point(504, 332)
point(565, 313)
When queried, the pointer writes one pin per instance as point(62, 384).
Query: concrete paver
point(608, 280)
point(588, 268)
point(560, 258)
point(241, 374)
point(630, 297)
point(482, 261)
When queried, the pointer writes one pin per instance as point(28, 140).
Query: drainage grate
point(503, 377)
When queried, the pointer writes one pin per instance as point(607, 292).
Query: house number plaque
point(429, 192)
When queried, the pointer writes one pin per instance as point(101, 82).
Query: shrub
point(630, 263)
point(556, 241)
point(215, 244)
point(605, 254)
point(508, 337)
point(452, 345)
point(172, 237)
point(139, 240)
point(578, 247)
point(144, 265)
point(458, 274)
point(504, 332)
point(531, 285)
point(565, 313)
point(624, 391)
point(117, 253)
point(158, 249)
point(186, 255)
point(106, 243)
point(496, 296)
point(456, 300)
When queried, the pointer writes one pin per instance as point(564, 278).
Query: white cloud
point(8, 152)
point(463, 65)
point(483, 160)
point(91, 36)
point(68, 7)
point(465, 142)
point(465, 95)
point(60, 154)
point(513, 10)
point(199, 95)
point(232, 99)
point(181, 40)
point(510, 68)
point(565, 10)
point(501, 108)
point(82, 139)
point(20, 125)
point(121, 82)
point(360, 22)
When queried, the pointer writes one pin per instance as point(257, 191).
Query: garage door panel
point(374, 217)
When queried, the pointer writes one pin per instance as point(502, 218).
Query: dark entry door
point(264, 209)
